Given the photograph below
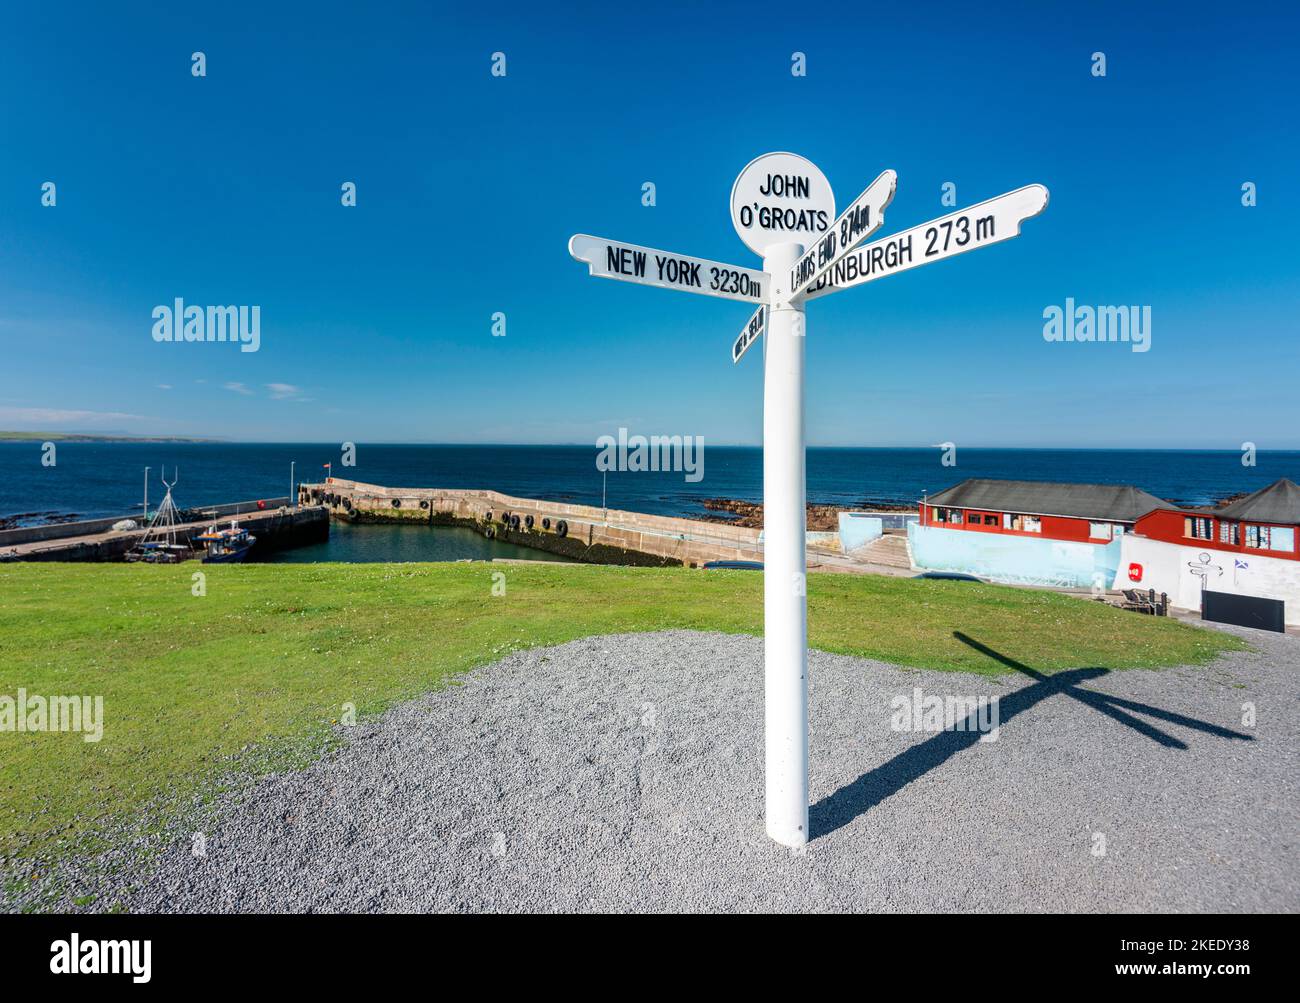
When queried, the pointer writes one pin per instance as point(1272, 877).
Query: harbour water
point(353, 544)
point(95, 479)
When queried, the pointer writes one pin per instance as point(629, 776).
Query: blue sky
point(376, 320)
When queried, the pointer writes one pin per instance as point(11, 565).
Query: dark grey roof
point(1116, 502)
point(1279, 502)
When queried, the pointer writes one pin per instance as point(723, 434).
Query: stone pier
point(275, 528)
point(582, 532)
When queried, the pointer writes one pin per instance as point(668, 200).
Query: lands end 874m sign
point(781, 198)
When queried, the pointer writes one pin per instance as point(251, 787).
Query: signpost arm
point(785, 605)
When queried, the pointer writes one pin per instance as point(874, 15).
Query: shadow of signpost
point(852, 800)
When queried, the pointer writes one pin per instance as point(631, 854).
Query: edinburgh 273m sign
point(783, 209)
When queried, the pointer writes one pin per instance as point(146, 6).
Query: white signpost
point(783, 209)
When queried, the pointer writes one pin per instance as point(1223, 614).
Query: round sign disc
point(781, 198)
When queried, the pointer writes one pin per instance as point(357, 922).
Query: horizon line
point(205, 440)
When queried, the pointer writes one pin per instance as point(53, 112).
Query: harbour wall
point(593, 535)
point(90, 527)
point(275, 529)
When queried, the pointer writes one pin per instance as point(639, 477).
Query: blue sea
point(94, 479)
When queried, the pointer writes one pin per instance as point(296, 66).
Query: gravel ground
point(626, 773)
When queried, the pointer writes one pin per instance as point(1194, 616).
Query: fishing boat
point(227, 546)
point(158, 545)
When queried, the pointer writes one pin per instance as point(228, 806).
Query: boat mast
point(163, 524)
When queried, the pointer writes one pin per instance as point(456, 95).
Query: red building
point(1080, 513)
point(1218, 560)
point(1263, 523)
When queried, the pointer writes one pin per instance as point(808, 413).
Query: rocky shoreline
point(23, 519)
point(821, 518)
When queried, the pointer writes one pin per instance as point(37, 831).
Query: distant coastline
point(90, 437)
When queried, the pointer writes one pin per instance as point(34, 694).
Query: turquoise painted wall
point(859, 530)
point(1016, 559)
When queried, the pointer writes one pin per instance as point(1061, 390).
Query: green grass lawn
point(268, 657)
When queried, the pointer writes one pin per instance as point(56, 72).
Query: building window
point(990, 520)
point(1099, 530)
point(973, 517)
point(1230, 533)
point(1271, 538)
point(1198, 528)
point(946, 514)
point(1027, 524)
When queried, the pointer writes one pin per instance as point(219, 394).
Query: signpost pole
point(785, 605)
